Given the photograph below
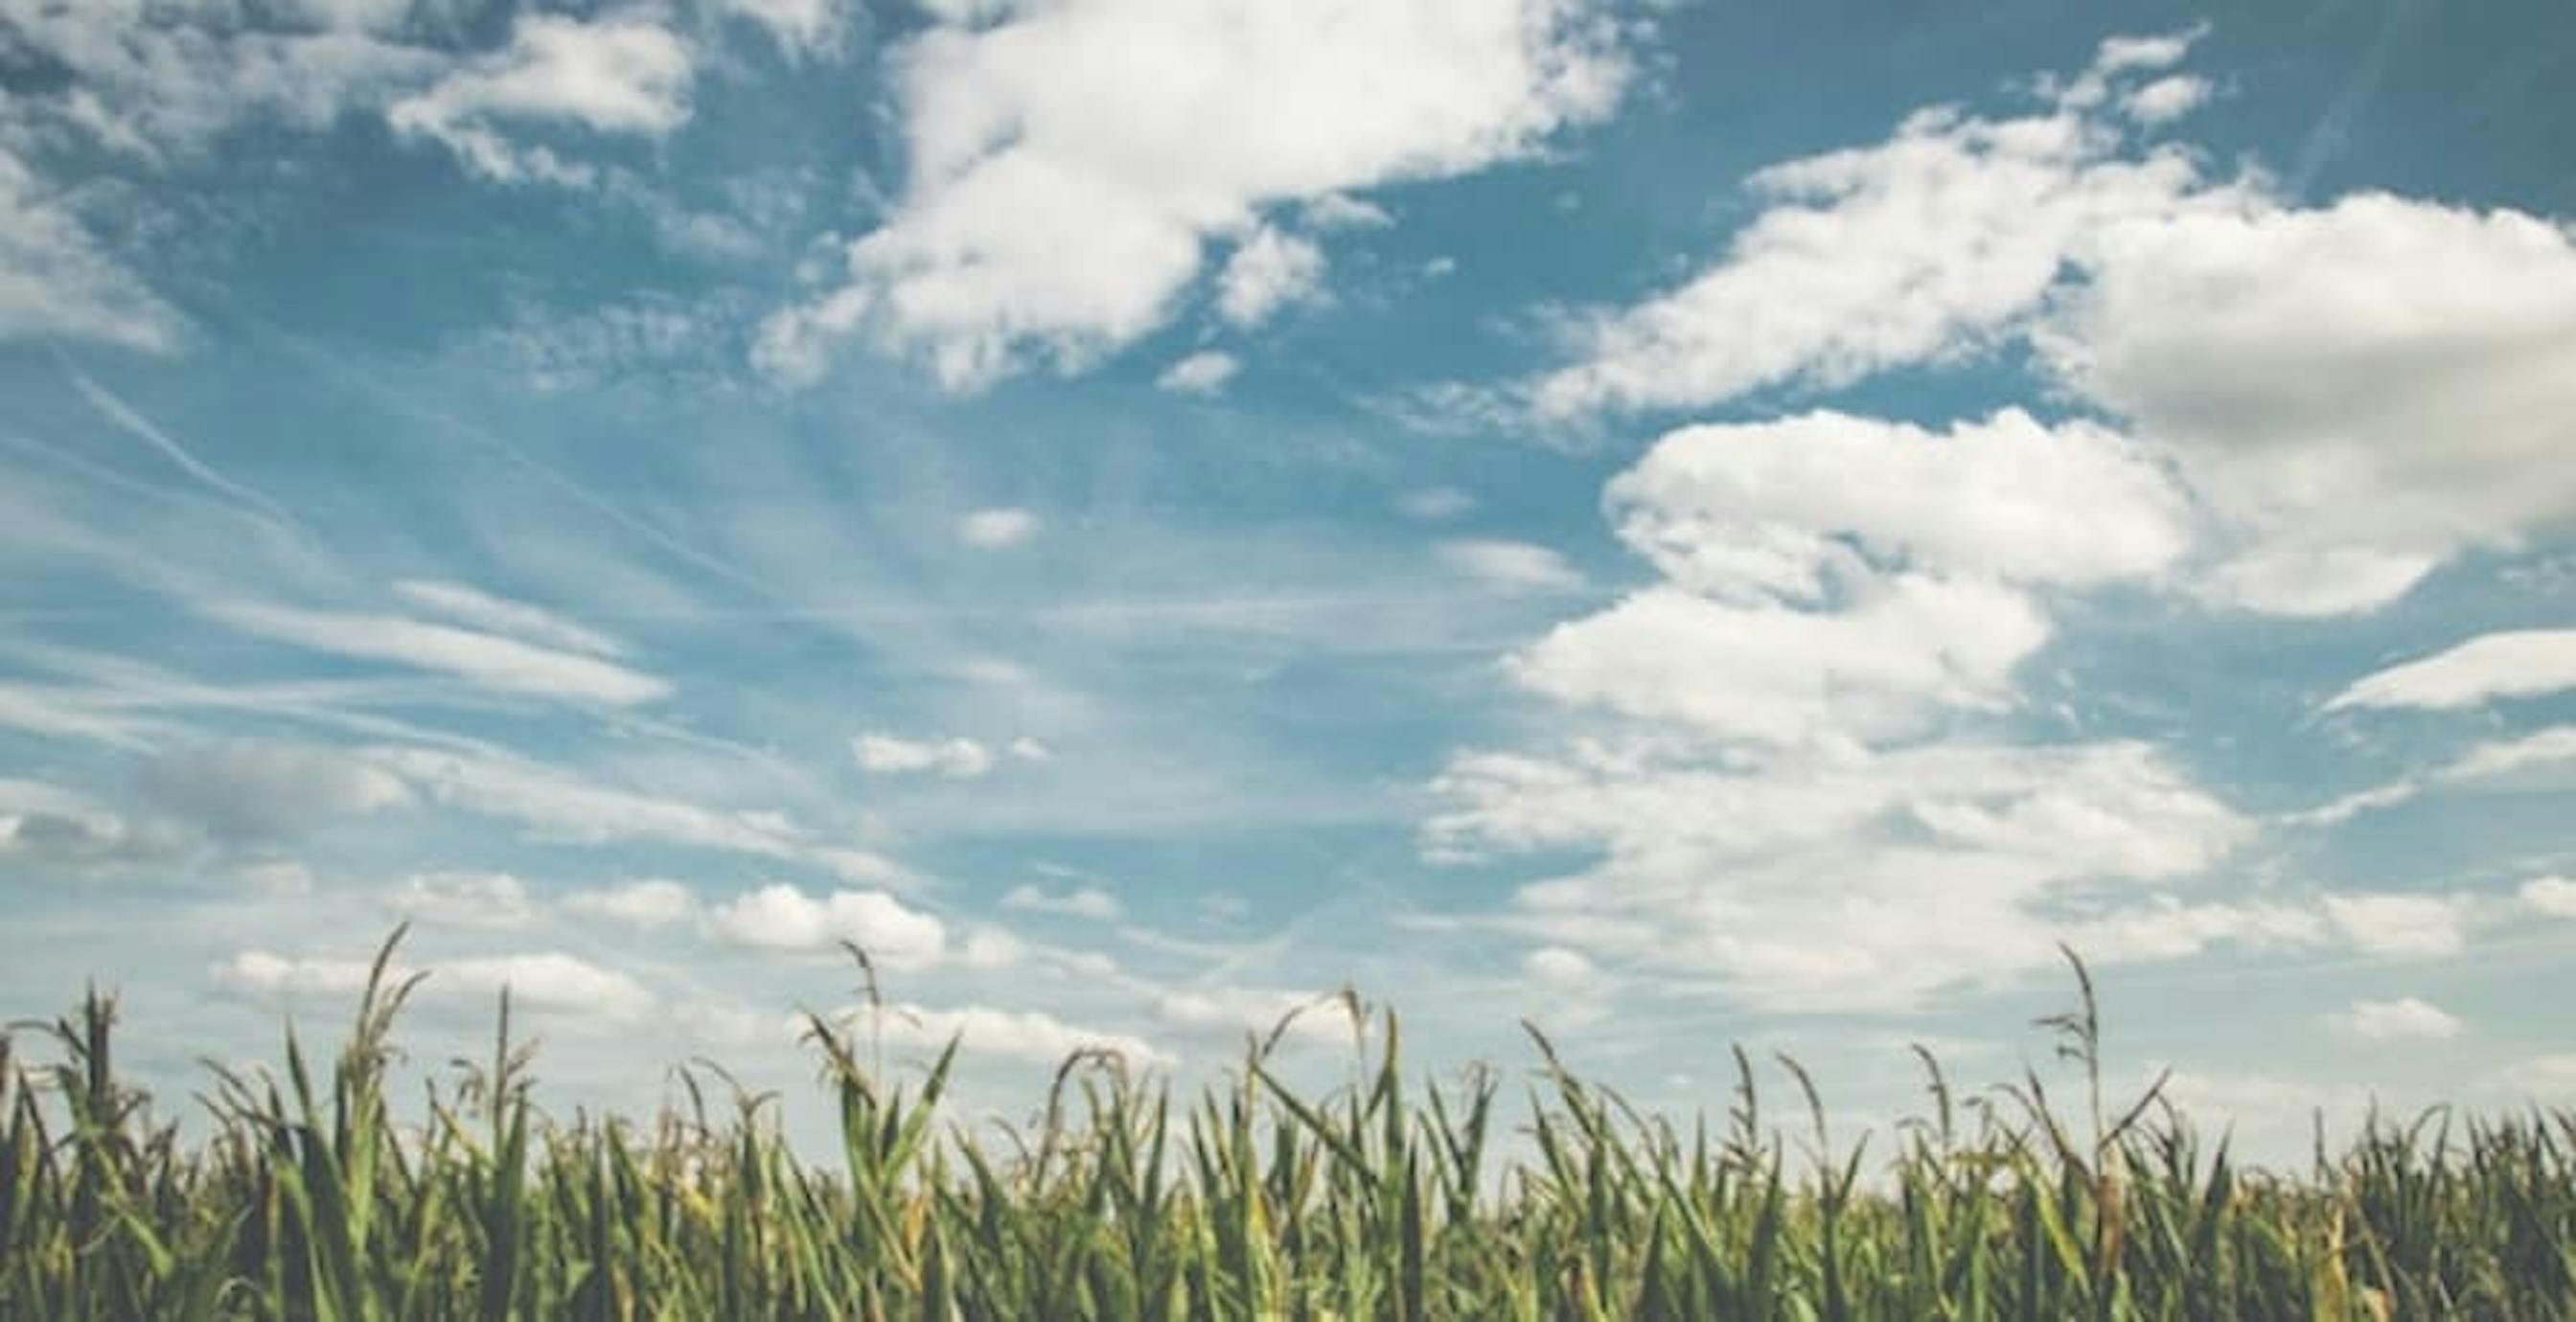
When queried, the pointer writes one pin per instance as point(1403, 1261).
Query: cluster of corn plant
point(1382, 1199)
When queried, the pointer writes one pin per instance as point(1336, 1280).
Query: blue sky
point(1692, 523)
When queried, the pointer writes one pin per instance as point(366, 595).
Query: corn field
point(1384, 1199)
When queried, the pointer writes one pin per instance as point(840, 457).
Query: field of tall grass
point(312, 1197)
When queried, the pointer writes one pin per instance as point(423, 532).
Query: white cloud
point(2352, 393)
point(1341, 211)
point(1514, 566)
point(560, 805)
point(1028, 749)
point(57, 280)
point(2519, 664)
point(1320, 1020)
point(550, 981)
point(887, 755)
point(2554, 897)
point(1784, 508)
point(482, 610)
point(1920, 248)
point(1435, 504)
point(2403, 1019)
point(487, 660)
point(256, 789)
point(1882, 666)
point(1081, 902)
point(2166, 99)
point(465, 899)
point(1557, 967)
point(647, 903)
point(2357, 391)
point(1027, 1035)
point(1070, 162)
point(1853, 880)
point(611, 76)
point(995, 529)
point(781, 917)
point(2400, 925)
point(800, 27)
point(1203, 373)
point(1268, 271)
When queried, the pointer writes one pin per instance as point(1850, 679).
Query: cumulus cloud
point(647, 903)
point(547, 982)
point(1025, 1035)
point(2519, 664)
point(2554, 897)
point(2352, 393)
point(1269, 271)
point(493, 900)
point(623, 76)
point(2403, 1019)
point(2401, 925)
point(2358, 391)
point(1856, 879)
point(1785, 508)
point(1056, 215)
point(801, 28)
point(1203, 373)
point(1319, 1018)
point(1923, 247)
point(781, 917)
point(888, 755)
point(1556, 966)
point(1884, 665)
point(994, 529)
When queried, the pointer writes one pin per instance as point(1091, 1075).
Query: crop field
point(312, 1198)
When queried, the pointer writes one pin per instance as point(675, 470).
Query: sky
point(1687, 523)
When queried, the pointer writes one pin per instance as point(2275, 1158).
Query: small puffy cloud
point(1072, 163)
point(647, 903)
point(2166, 99)
point(1028, 749)
point(2552, 896)
point(994, 529)
point(1511, 566)
point(550, 981)
point(1341, 211)
point(2520, 664)
point(1025, 1035)
point(781, 917)
point(1558, 967)
point(888, 755)
point(465, 899)
point(1434, 504)
point(245, 790)
point(1081, 902)
point(1203, 373)
point(491, 661)
point(2400, 925)
point(2403, 1019)
point(611, 75)
point(1268, 272)
point(990, 948)
point(1319, 1019)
